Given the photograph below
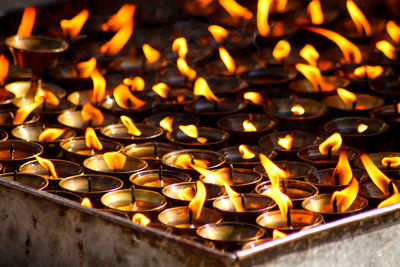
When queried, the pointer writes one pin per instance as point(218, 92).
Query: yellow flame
point(254, 97)
point(201, 88)
point(333, 142)
point(92, 114)
point(125, 99)
point(393, 30)
point(314, 10)
point(99, 86)
point(122, 17)
point(161, 89)
point(118, 41)
point(115, 160)
point(196, 205)
point(361, 127)
point(395, 198)
point(191, 131)
point(184, 69)
point(227, 60)
point(346, 197)
point(276, 234)
point(23, 112)
point(262, 17)
point(91, 139)
point(246, 152)
point(376, 175)
point(297, 110)
point(140, 218)
point(218, 32)
point(185, 161)
point(343, 169)
point(278, 5)
point(313, 75)
point(310, 54)
point(132, 129)
point(286, 142)
point(393, 161)
point(387, 49)
point(167, 123)
point(347, 97)
point(371, 72)
point(248, 126)
point(72, 27)
point(4, 65)
point(281, 50)
point(152, 55)
point(86, 203)
point(50, 134)
point(179, 46)
point(135, 84)
point(86, 68)
point(275, 174)
point(27, 22)
point(235, 10)
point(48, 165)
point(46, 96)
point(360, 21)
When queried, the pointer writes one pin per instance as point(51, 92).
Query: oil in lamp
point(26, 179)
point(13, 153)
point(245, 156)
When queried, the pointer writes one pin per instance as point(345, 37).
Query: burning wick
point(391, 187)
point(288, 217)
point(133, 198)
point(12, 151)
point(160, 173)
point(15, 175)
point(334, 205)
point(155, 151)
point(90, 184)
point(396, 107)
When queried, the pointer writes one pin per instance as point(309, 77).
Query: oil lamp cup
point(63, 168)
point(388, 114)
point(215, 138)
point(235, 158)
point(314, 112)
point(244, 180)
point(348, 129)
point(322, 204)
point(230, 236)
point(300, 220)
point(269, 76)
point(37, 53)
point(374, 195)
point(234, 124)
point(387, 87)
point(14, 153)
point(295, 169)
point(348, 29)
point(3, 135)
point(176, 101)
point(92, 186)
point(21, 89)
point(27, 179)
point(365, 103)
point(179, 119)
point(98, 165)
point(390, 170)
point(311, 155)
point(299, 140)
point(255, 104)
point(119, 133)
point(80, 98)
point(148, 202)
point(136, 64)
point(156, 180)
point(296, 190)
point(67, 195)
point(75, 148)
point(6, 98)
point(253, 204)
point(226, 86)
point(67, 74)
point(180, 194)
point(7, 119)
point(115, 213)
point(325, 180)
point(304, 88)
point(31, 133)
point(178, 218)
point(150, 152)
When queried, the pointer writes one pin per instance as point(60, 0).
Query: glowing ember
point(281, 50)
point(314, 10)
point(201, 88)
point(313, 75)
point(391, 162)
point(122, 17)
point(370, 72)
point(348, 98)
point(86, 68)
point(99, 86)
point(86, 203)
point(343, 170)
point(125, 99)
point(115, 160)
point(161, 89)
point(248, 126)
point(246, 152)
point(277, 234)
point(4, 65)
point(135, 84)
point(191, 131)
point(262, 17)
point(360, 21)
point(310, 54)
point(118, 41)
point(393, 30)
point(297, 110)
point(23, 112)
point(361, 127)
point(50, 134)
point(235, 10)
point(332, 143)
point(140, 218)
point(227, 60)
point(179, 46)
point(167, 123)
point(132, 129)
point(286, 142)
point(72, 27)
point(91, 139)
point(151, 54)
point(345, 197)
point(218, 33)
point(92, 115)
point(196, 205)
point(185, 70)
point(28, 20)
point(48, 165)
point(376, 175)
point(387, 49)
point(254, 97)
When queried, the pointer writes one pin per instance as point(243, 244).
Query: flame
point(351, 52)
point(281, 50)
point(122, 17)
point(235, 10)
point(376, 175)
point(72, 27)
point(262, 17)
point(125, 99)
point(179, 46)
point(191, 131)
point(201, 88)
point(246, 152)
point(395, 198)
point(397, 106)
point(86, 68)
point(28, 20)
point(277, 234)
point(343, 169)
point(362, 127)
point(310, 54)
point(161, 89)
point(118, 41)
point(50, 134)
point(135, 84)
point(313, 75)
point(46, 96)
point(23, 112)
point(152, 55)
point(92, 114)
point(86, 203)
point(360, 21)
point(115, 160)
point(386, 48)
point(48, 165)
point(347, 97)
point(140, 218)
point(91, 139)
point(393, 30)
point(314, 10)
point(346, 197)
point(99, 86)
point(248, 126)
point(167, 123)
point(278, 5)
point(218, 32)
point(132, 129)
point(185, 161)
point(392, 161)
point(185, 70)
point(219, 177)
point(254, 97)
point(297, 110)
point(235, 197)
point(368, 71)
point(227, 60)
point(196, 205)
point(333, 142)
point(4, 65)
point(286, 142)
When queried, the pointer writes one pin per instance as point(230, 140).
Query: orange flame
point(376, 175)
point(371, 72)
point(278, 5)
point(23, 112)
point(360, 21)
point(343, 169)
point(72, 27)
point(91, 139)
point(161, 89)
point(167, 123)
point(393, 30)
point(314, 10)
point(248, 126)
point(86, 203)
point(48, 165)
point(392, 161)
point(196, 205)
point(218, 32)
point(235, 197)
point(262, 17)
point(28, 20)
point(132, 129)
point(185, 70)
point(333, 142)
point(86, 68)
point(297, 110)
point(118, 41)
point(135, 84)
point(351, 52)
point(387, 49)
point(281, 50)
point(286, 142)
point(362, 127)
point(397, 108)
point(99, 86)
point(201, 88)
point(191, 131)
point(219, 177)
point(4, 65)
point(346, 197)
point(186, 161)
point(50, 134)
point(246, 152)
point(92, 114)
point(254, 97)
point(115, 160)
point(122, 17)
point(310, 54)
point(395, 198)
point(152, 55)
point(227, 60)
point(140, 218)
point(235, 10)
point(125, 99)
point(46, 96)
point(179, 46)
point(276, 234)
point(347, 97)
point(313, 75)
